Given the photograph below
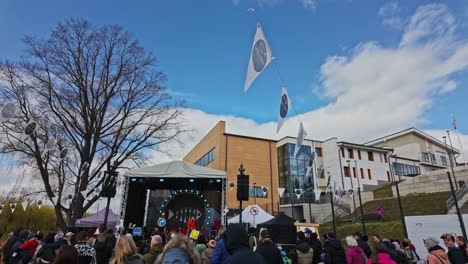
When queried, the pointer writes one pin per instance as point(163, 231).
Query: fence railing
point(459, 194)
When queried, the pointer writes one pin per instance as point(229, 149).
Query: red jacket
point(191, 224)
point(30, 246)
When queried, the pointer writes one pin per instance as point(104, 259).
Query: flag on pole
point(25, 205)
point(281, 192)
point(300, 138)
point(454, 122)
point(260, 57)
point(284, 107)
point(317, 193)
point(311, 163)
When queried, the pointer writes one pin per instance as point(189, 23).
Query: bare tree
point(96, 97)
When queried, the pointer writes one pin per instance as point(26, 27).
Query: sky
point(357, 70)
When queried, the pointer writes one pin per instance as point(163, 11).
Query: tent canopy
point(176, 169)
point(247, 216)
point(97, 219)
point(282, 229)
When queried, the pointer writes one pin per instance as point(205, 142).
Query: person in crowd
point(191, 224)
point(4, 243)
point(397, 246)
point(40, 241)
point(334, 252)
point(60, 240)
point(411, 246)
point(253, 241)
point(9, 244)
point(456, 255)
point(179, 250)
point(377, 239)
point(267, 249)
point(316, 245)
point(46, 253)
point(410, 253)
point(207, 254)
point(399, 257)
point(461, 242)
point(67, 255)
point(102, 252)
point(15, 253)
point(379, 211)
point(363, 244)
point(436, 254)
point(111, 240)
point(220, 254)
point(126, 252)
point(381, 255)
point(70, 238)
point(201, 243)
point(28, 249)
point(237, 244)
point(354, 253)
point(86, 253)
point(156, 247)
point(302, 252)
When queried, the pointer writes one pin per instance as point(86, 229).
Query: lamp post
point(452, 160)
point(360, 200)
point(352, 187)
point(402, 215)
point(332, 207)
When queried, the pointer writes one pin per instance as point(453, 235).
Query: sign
point(194, 234)
point(254, 210)
point(137, 231)
point(161, 222)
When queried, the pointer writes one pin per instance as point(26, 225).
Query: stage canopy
point(97, 219)
point(175, 169)
point(282, 229)
point(248, 217)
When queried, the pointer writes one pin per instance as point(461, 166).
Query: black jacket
point(334, 253)
point(316, 245)
point(102, 253)
point(270, 253)
point(8, 246)
point(365, 247)
point(237, 244)
point(456, 255)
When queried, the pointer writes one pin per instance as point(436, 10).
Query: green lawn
point(384, 192)
point(391, 230)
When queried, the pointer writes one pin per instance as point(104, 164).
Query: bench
point(369, 217)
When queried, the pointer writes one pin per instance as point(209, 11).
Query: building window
point(362, 173)
point(342, 152)
point(388, 176)
point(443, 159)
point(318, 152)
point(347, 171)
point(385, 157)
point(350, 154)
point(425, 157)
point(207, 159)
point(401, 169)
point(369, 174)
point(370, 155)
point(359, 154)
point(257, 192)
point(355, 172)
point(433, 159)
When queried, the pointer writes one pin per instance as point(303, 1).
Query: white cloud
point(374, 90)
point(307, 4)
point(390, 14)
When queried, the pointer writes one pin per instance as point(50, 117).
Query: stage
point(175, 191)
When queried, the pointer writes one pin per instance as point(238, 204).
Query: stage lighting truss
point(182, 191)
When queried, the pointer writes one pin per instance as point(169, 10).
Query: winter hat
point(431, 241)
point(331, 235)
point(58, 236)
point(175, 256)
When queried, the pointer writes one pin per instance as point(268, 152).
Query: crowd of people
point(232, 245)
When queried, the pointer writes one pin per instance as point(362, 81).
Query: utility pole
point(360, 200)
point(451, 158)
point(455, 200)
point(352, 188)
point(402, 215)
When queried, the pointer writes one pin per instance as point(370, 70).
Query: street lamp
point(452, 160)
point(352, 188)
point(402, 216)
point(360, 200)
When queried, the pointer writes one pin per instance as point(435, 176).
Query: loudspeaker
point(242, 187)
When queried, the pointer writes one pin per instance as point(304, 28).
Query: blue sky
point(204, 46)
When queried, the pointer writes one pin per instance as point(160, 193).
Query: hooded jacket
point(10, 243)
point(355, 255)
point(152, 254)
point(317, 247)
point(456, 255)
point(220, 253)
point(302, 253)
point(365, 247)
point(334, 253)
point(383, 258)
point(237, 245)
point(269, 252)
point(175, 256)
point(437, 255)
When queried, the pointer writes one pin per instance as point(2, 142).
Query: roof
point(98, 219)
point(364, 147)
point(176, 169)
point(412, 130)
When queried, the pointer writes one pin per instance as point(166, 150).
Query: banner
point(260, 57)
point(284, 108)
point(298, 192)
point(300, 138)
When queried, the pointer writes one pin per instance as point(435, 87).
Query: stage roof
point(176, 169)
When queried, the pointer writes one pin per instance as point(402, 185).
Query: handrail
point(459, 194)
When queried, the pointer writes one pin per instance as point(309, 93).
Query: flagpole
point(461, 147)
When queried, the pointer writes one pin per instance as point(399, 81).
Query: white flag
point(298, 192)
point(259, 58)
point(281, 192)
point(317, 194)
point(13, 207)
point(231, 186)
point(264, 190)
point(300, 138)
point(39, 204)
point(284, 108)
point(25, 205)
point(311, 163)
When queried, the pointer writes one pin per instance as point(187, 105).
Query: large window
point(425, 157)
point(256, 191)
point(406, 169)
point(370, 155)
point(207, 159)
point(350, 154)
point(443, 159)
point(318, 152)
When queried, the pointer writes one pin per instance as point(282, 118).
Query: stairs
point(462, 198)
point(371, 188)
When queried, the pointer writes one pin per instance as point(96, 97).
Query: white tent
point(175, 169)
point(248, 217)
